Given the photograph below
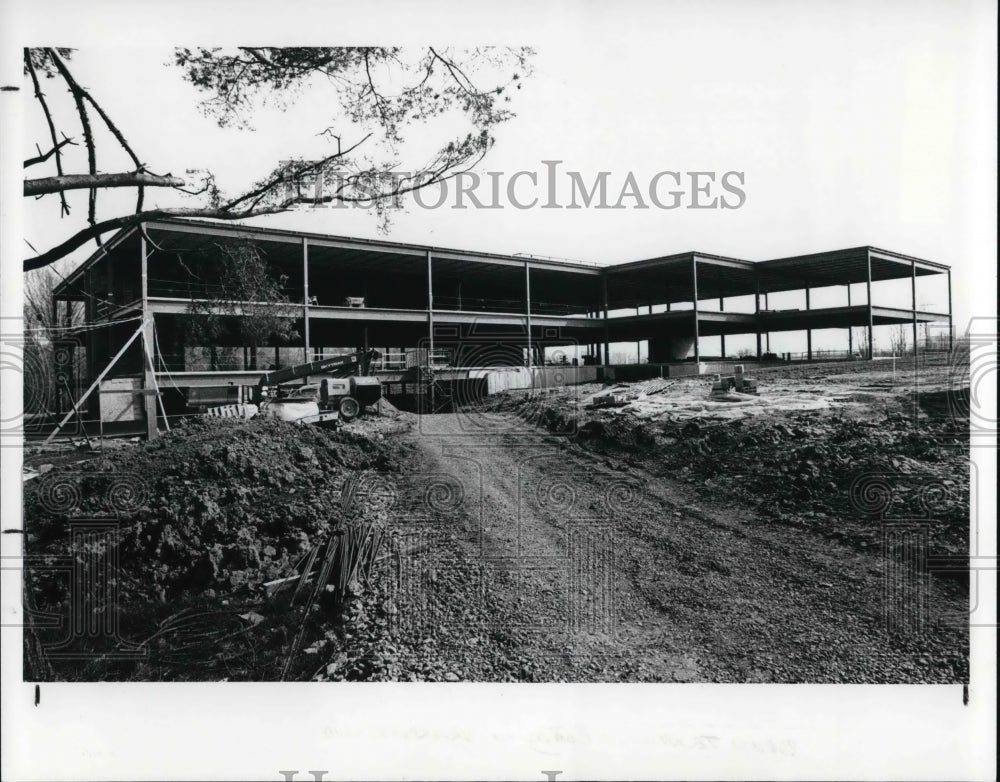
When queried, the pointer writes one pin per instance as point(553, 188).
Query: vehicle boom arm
point(362, 360)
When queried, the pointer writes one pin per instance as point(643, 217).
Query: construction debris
point(793, 453)
point(737, 383)
point(612, 399)
point(215, 510)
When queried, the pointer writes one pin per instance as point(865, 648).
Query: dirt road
point(534, 559)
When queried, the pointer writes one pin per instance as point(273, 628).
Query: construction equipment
point(737, 382)
point(340, 395)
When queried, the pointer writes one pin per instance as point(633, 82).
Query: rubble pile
point(839, 477)
point(216, 506)
point(838, 467)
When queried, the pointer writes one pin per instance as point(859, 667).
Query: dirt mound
point(842, 471)
point(843, 478)
point(213, 506)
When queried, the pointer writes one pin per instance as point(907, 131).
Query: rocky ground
point(831, 452)
point(205, 518)
point(676, 538)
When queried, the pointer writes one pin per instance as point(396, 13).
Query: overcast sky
point(852, 124)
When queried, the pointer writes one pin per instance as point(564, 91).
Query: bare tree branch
point(234, 82)
point(88, 134)
point(40, 97)
point(82, 237)
point(85, 94)
point(56, 184)
point(42, 157)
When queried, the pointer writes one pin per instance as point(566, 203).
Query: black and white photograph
point(565, 391)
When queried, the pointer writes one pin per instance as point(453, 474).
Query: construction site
point(438, 471)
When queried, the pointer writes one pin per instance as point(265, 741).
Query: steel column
point(767, 334)
point(722, 337)
point(951, 329)
point(871, 319)
point(694, 301)
point(913, 297)
point(809, 334)
point(850, 329)
point(430, 324)
point(305, 300)
point(527, 306)
point(604, 308)
point(756, 307)
point(148, 379)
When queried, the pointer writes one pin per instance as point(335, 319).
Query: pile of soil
point(834, 472)
point(212, 505)
point(206, 516)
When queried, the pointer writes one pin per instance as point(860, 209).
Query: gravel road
point(531, 558)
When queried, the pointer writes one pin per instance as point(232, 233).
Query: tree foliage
point(244, 292)
point(378, 92)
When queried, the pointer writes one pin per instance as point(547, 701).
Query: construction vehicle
point(344, 390)
point(737, 382)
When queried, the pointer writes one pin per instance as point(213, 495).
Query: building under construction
point(459, 311)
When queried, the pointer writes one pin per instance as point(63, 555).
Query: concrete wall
point(513, 378)
point(631, 373)
point(519, 378)
point(663, 350)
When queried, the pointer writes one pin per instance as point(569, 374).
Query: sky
point(847, 123)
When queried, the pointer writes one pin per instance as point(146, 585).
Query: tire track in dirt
point(600, 571)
